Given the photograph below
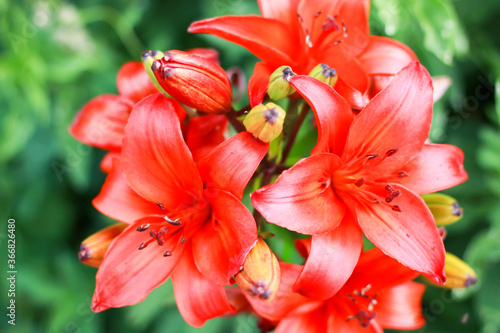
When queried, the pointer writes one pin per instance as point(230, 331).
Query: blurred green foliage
point(55, 55)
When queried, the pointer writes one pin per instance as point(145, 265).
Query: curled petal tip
point(97, 306)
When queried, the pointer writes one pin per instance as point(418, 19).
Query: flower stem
point(266, 179)
point(244, 110)
point(235, 122)
point(293, 135)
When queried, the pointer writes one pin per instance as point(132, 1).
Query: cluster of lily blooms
point(176, 178)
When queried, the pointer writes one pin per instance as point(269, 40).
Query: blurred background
point(55, 55)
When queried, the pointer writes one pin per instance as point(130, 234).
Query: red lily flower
point(365, 173)
point(101, 122)
point(302, 34)
point(186, 220)
point(370, 301)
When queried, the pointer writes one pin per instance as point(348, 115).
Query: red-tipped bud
point(206, 53)
point(94, 247)
point(260, 276)
point(194, 81)
point(265, 122)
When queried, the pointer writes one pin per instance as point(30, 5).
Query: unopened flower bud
point(148, 57)
point(194, 81)
point(265, 122)
point(458, 273)
point(260, 276)
point(94, 247)
point(279, 87)
point(325, 74)
point(444, 208)
point(210, 54)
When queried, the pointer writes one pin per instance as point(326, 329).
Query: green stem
point(293, 135)
point(266, 179)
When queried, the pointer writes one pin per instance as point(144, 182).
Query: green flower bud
point(325, 74)
point(458, 274)
point(279, 87)
point(265, 122)
point(444, 208)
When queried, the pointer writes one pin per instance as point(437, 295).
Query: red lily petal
point(252, 32)
point(303, 246)
point(205, 133)
point(399, 117)
point(378, 83)
point(410, 235)
point(101, 122)
point(133, 82)
point(399, 308)
point(280, 10)
point(230, 166)
point(197, 298)
point(436, 168)
point(352, 14)
point(207, 53)
point(108, 160)
point(355, 98)
point(120, 202)
point(355, 15)
point(331, 260)
point(347, 68)
point(155, 159)
point(237, 299)
point(311, 322)
point(221, 246)
point(385, 56)
point(333, 114)
point(302, 199)
point(179, 110)
point(286, 302)
point(257, 85)
point(127, 274)
point(372, 270)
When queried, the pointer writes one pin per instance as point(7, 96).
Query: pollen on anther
point(391, 152)
point(143, 245)
point(173, 222)
point(372, 156)
point(396, 208)
point(143, 227)
point(168, 254)
point(183, 240)
point(360, 182)
point(159, 204)
point(402, 174)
